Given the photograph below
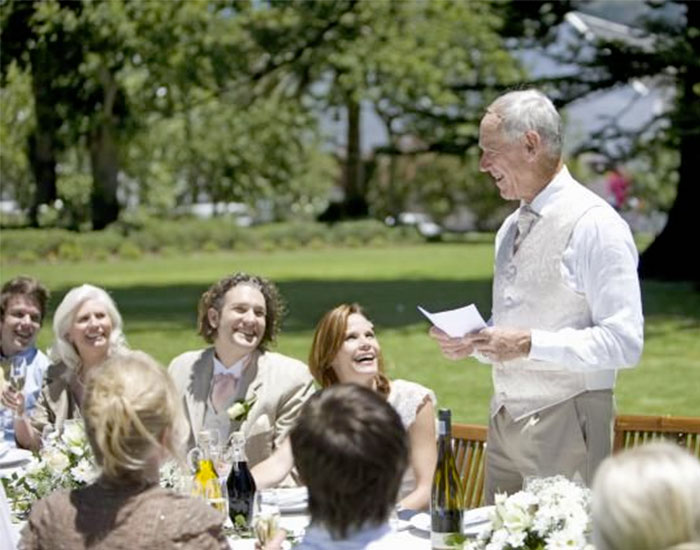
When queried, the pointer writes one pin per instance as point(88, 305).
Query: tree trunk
point(355, 201)
point(105, 159)
point(669, 257)
point(42, 145)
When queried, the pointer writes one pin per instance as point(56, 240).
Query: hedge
point(168, 237)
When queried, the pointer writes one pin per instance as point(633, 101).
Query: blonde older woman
point(87, 330)
point(647, 498)
point(134, 421)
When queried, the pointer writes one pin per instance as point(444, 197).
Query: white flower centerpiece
point(551, 514)
point(66, 462)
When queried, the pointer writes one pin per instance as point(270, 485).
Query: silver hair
point(529, 110)
point(61, 349)
point(647, 498)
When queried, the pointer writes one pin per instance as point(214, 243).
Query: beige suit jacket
point(279, 384)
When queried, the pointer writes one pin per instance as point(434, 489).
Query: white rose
point(84, 472)
point(56, 461)
point(74, 436)
point(236, 411)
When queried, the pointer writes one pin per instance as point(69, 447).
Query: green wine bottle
point(446, 498)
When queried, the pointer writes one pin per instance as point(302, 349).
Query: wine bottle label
point(443, 427)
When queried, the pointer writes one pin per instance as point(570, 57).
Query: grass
point(157, 297)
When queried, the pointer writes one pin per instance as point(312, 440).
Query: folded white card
point(456, 322)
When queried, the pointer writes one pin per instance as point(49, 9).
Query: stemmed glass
point(17, 375)
point(266, 518)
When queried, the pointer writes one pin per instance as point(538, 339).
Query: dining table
point(405, 536)
point(409, 531)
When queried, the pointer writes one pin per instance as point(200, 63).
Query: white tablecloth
point(405, 539)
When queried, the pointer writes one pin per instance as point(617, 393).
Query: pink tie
point(223, 389)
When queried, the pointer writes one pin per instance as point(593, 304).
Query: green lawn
point(158, 297)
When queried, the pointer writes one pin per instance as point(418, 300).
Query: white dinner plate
point(288, 499)
point(421, 522)
point(4, 447)
point(474, 520)
point(14, 457)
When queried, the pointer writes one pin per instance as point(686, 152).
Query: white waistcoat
point(529, 292)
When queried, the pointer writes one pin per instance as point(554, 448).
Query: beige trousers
point(571, 438)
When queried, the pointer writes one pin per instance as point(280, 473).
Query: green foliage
point(439, 184)
point(16, 124)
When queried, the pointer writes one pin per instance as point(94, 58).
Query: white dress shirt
point(600, 263)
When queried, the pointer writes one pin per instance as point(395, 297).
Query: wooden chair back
point(469, 446)
point(632, 430)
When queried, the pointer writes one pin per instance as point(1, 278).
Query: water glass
point(266, 522)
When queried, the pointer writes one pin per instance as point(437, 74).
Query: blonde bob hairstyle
point(328, 339)
point(647, 498)
point(62, 349)
point(132, 412)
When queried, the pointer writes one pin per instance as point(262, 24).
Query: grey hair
point(529, 110)
point(62, 350)
point(647, 498)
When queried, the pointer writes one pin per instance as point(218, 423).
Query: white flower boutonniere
point(240, 409)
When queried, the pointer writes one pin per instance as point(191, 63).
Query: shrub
point(129, 251)
point(170, 237)
point(70, 251)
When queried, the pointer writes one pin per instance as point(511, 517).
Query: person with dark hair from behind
point(351, 450)
point(23, 303)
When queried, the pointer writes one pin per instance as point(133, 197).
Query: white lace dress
point(407, 397)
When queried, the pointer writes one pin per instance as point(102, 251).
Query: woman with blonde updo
point(87, 330)
point(647, 498)
point(134, 421)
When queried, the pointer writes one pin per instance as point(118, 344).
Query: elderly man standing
point(22, 309)
point(566, 305)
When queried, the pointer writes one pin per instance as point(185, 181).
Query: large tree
point(661, 46)
point(402, 58)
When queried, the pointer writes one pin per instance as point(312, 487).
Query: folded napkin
point(478, 515)
point(4, 447)
point(293, 499)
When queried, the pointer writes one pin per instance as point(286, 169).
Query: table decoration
point(550, 514)
point(66, 462)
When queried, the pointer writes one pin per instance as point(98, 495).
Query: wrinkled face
point(20, 327)
point(505, 161)
point(90, 330)
point(241, 323)
point(357, 360)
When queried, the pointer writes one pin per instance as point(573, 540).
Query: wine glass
point(17, 375)
point(266, 520)
point(216, 494)
point(48, 434)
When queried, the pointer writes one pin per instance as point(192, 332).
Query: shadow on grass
point(390, 303)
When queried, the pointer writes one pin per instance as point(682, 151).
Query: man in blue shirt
point(22, 308)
